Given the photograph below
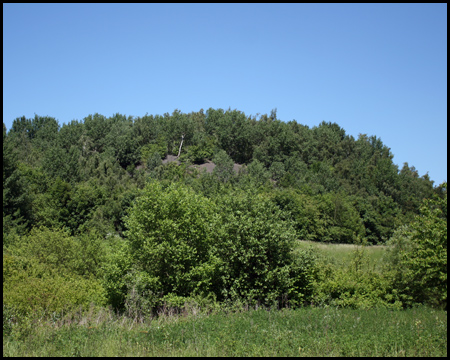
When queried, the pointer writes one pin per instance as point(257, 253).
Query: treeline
point(84, 174)
point(92, 214)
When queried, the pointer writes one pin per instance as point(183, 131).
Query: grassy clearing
point(302, 332)
point(342, 254)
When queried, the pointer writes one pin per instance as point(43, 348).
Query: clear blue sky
point(376, 69)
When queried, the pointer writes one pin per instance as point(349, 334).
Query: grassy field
point(342, 254)
point(308, 331)
point(302, 332)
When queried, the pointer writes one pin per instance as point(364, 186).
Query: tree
point(202, 148)
point(254, 245)
point(258, 173)
point(422, 258)
point(16, 199)
point(224, 166)
point(277, 170)
point(96, 129)
point(120, 141)
point(170, 231)
point(153, 161)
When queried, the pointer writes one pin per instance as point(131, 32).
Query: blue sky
point(376, 69)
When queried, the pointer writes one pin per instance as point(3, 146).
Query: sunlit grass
point(240, 331)
point(302, 332)
point(342, 254)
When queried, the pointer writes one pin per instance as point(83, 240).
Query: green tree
point(202, 148)
point(169, 231)
point(16, 198)
point(153, 161)
point(422, 258)
point(258, 173)
point(255, 243)
point(96, 129)
point(340, 221)
point(277, 170)
point(224, 166)
point(120, 141)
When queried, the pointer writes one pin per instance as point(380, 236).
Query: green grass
point(220, 331)
point(342, 254)
point(301, 332)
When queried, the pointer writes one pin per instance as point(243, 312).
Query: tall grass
point(263, 332)
point(213, 329)
point(342, 254)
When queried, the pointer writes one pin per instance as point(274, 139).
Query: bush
point(169, 231)
point(356, 286)
point(254, 245)
point(115, 269)
point(419, 258)
point(58, 250)
point(236, 248)
point(30, 286)
point(49, 270)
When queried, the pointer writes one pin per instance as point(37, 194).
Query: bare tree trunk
point(179, 151)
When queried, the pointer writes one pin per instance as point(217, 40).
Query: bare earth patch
point(208, 165)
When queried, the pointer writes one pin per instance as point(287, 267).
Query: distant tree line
point(90, 205)
point(84, 171)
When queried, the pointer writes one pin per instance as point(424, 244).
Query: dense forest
point(94, 211)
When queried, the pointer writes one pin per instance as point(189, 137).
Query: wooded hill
point(95, 213)
point(84, 174)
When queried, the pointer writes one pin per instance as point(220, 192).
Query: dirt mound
point(208, 165)
point(171, 158)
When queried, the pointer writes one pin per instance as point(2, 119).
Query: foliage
point(153, 161)
point(357, 286)
point(254, 244)
point(56, 249)
point(49, 270)
point(114, 269)
point(158, 146)
point(38, 290)
point(202, 148)
point(170, 234)
point(340, 221)
point(16, 199)
point(258, 173)
point(182, 248)
point(420, 255)
point(224, 166)
point(90, 205)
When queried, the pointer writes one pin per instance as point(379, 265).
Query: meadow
point(343, 254)
point(238, 330)
point(308, 331)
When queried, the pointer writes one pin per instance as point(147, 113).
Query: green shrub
point(356, 286)
point(418, 260)
point(39, 288)
point(58, 250)
point(49, 270)
point(169, 231)
point(118, 263)
point(254, 244)
point(238, 247)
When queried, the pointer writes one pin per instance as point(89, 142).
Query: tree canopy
point(209, 203)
